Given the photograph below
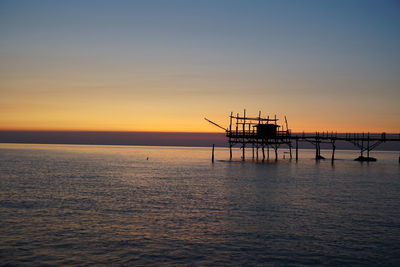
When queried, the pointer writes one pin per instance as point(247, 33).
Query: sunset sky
point(165, 65)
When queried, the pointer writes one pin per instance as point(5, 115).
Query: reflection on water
point(82, 205)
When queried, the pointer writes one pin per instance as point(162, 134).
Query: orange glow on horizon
point(198, 125)
point(143, 69)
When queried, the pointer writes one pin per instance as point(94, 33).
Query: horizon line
point(179, 132)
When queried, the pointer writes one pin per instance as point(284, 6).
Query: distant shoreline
point(181, 139)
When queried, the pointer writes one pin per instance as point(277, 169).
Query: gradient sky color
point(164, 65)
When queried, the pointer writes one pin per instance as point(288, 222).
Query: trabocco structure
point(266, 133)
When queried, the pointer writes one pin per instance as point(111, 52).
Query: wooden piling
point(212, 157)
point(316, 145)
point(297, 149)
point(244, 131)
point(263, 152)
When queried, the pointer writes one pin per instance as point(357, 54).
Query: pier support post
point(290, 151)
point(297, 149)
point(244, 135)
point(263, 152)
point(212, 157)
point(318, 150)
point(276, 153)
point(230, 151)
point(253, 151)
point(267, 152)
point(333, 151)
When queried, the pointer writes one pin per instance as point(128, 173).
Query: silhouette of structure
point(265, 133)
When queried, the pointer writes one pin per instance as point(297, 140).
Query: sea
point(78, 205)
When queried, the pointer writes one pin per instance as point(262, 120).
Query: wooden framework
point(257, 133)
point(266, 133)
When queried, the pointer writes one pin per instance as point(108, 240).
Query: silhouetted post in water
point(368, 147)
point(316, 146)
point(333, 151)
point(267, 151)
point(319, 150)
point(297, 149)
point(253, 151)
point(244, 131)
point(230, 131)
point(276, 152)
point(212, 157)
point(263, 152)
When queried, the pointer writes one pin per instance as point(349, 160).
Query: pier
point(264, 134)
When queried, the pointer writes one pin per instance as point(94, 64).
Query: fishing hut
point(257, 133)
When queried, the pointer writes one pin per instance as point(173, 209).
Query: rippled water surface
point(83, 205)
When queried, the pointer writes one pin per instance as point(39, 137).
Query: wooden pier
point(265, 134)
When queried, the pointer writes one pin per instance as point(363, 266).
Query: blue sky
point(326, 64)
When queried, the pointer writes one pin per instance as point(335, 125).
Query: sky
point(93, 65)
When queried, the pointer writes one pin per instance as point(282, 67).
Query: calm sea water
point(84, 205)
